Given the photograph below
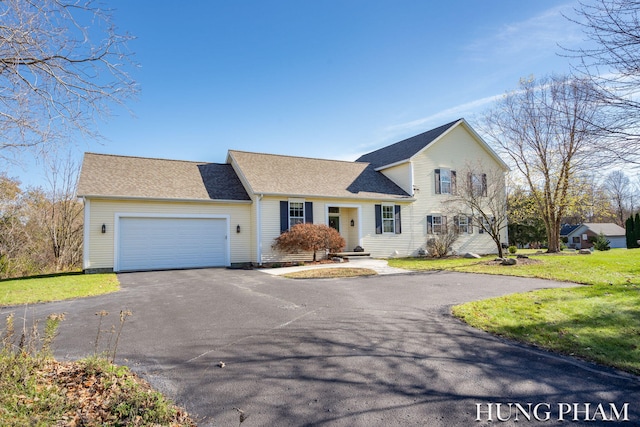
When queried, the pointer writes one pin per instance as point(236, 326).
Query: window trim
point(477, 183)
point(439, 182)
point(431, 224)
point(298, 219)
point(468, 226)
point(285, 213)
point(388, 219)
point(395, 220)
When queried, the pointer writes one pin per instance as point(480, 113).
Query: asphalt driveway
point(369, 351)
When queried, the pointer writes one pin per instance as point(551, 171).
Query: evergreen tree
point(629, 233)
point(636, 229)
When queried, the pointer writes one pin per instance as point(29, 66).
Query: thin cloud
point(400, 131)
point(534, 36)
point(441, 117)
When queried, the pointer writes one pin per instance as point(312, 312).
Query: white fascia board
point(390, 165)
point(160, 199)
point(354, 200)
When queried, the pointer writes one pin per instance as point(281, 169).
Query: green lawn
point(600, 322)
point(617, 266)
point(55, 287)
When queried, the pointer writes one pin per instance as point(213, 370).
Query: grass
point(37, 390)
point(617, 266)
point(55, 287)
point(599, 322)
point(326, 273)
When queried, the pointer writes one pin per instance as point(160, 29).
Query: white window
point(463, 224)
point(445, 181)
point(478, 184)
point(436, 224)
point(388, 219)
point(485, 225)
point(296, 213)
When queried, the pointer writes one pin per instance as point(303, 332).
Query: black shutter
point(378, 219)
point(484, 184)
point(453, 182)
point(429, 224)
point(437, 179)
point(456, 224)
point(284, 216)
point(308, 212)
point(470, 224)
point(398, 229)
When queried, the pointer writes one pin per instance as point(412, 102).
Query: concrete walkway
point(380, 266)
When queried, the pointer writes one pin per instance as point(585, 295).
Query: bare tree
point(612, 63)
point(62, 65)
point(548, 129)
point(483, 195)
point(58, 214)
point(618, 187)
point(13, 237)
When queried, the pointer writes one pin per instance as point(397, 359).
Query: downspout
point(86, 232)
point(413, 183)
point(259, 229)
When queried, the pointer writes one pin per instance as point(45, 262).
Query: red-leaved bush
point(309, 237)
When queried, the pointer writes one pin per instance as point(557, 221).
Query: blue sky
point(329, 79)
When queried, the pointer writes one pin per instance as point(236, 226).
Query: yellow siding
point(101, 246)
point(401, 176)
point(379, 245)
point(457, 150)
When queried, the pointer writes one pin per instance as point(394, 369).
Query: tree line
point(41, 227)
point(63, 63)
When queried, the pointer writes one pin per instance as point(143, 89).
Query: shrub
point(440, 245)
point(513, 249)
point(601, 243)
point(309, 237)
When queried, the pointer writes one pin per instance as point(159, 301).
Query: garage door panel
point(165, 243)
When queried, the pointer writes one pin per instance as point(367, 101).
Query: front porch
point(346, 220)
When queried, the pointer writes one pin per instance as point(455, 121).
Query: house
point(566, 229)
point(145, 214)
point(578, 238)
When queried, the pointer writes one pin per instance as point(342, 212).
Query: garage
point(163, 243)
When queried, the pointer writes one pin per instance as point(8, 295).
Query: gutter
point(161, 199)
point(353, 199)
point(259, 229)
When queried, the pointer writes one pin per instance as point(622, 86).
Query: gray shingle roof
point(302, 176)
point(404, 149)
point(136, 177)
point(606, 228)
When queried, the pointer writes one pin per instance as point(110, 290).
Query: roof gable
point(606, 228)
point(136, 177)
point(567, 229)
point(405, 149)
point(302, 176)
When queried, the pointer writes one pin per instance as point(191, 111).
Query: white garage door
point(167, 243)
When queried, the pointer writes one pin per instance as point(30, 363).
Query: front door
point(334, 222)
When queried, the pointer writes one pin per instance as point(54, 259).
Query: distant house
point(150, 214)
point(578, 237)
point(566, 229)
